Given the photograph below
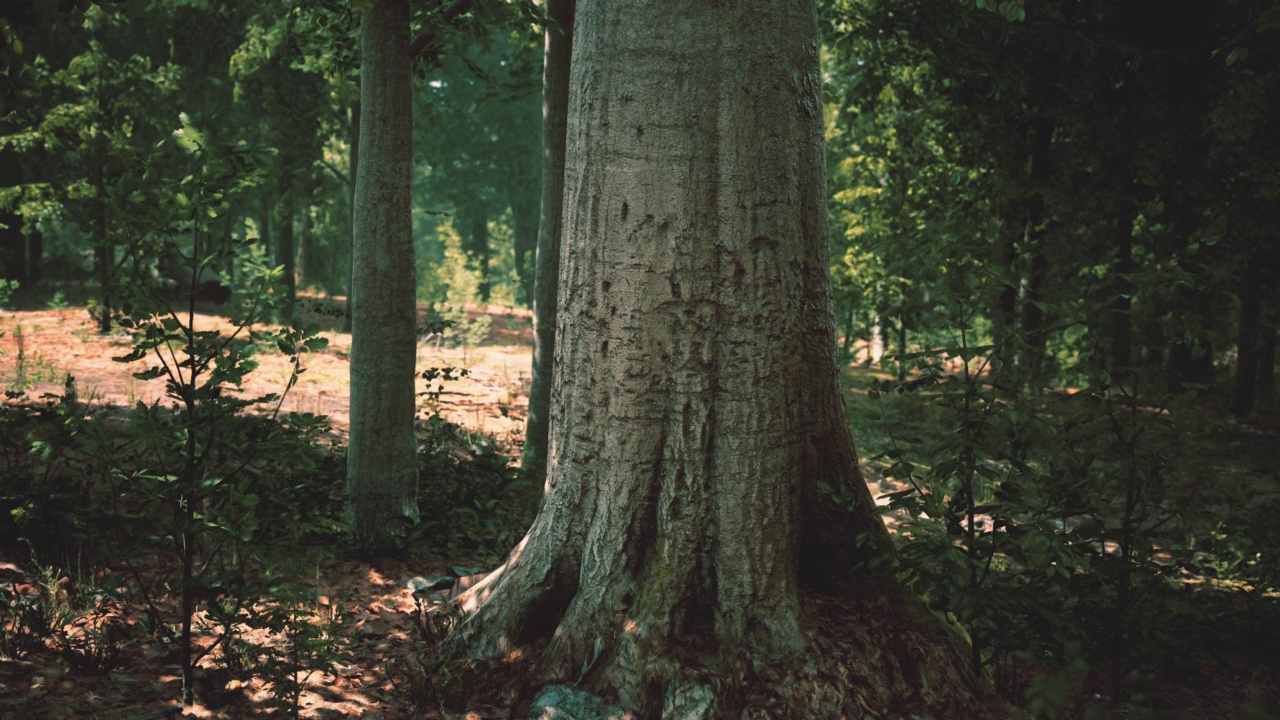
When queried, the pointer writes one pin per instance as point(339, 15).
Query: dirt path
point(41, 347)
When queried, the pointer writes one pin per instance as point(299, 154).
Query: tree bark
point(555, 108)
point(698, 429)
point(382, 473)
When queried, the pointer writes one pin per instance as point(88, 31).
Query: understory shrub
point(1087, 533)
point(473, 501)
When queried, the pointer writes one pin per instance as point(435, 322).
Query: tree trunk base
point(863, 659)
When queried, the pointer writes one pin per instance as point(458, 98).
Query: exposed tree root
point(863, 659)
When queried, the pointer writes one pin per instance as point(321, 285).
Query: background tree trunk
point(286, 255)
point(476, 243)
point(1244, 393)
point(382, 473)
point(696, 405)
point(351, 248)
point(1034, 319)
point(1122, 302)
point(103, 254)
point(311, 263)
point(524, 220)
point(1267, 369)
point(555, 107)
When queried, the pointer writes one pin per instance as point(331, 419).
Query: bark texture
point(555, 105)
point(382, 473)
point(695, 406)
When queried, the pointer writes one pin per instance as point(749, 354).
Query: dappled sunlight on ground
point(492, 398)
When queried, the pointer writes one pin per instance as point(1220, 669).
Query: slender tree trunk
point(1245, 393)
point(382, 472)
point(1034, 319)
point(902, 347)
point(524, 217)
point(351, 250)
point(1267, 369)
point(103, 255)
point(264, 230)
point(850, 316)
point(698, 428)
point(311, 265)
point(555, 108)
point(477, 248)
point(1122, 302)
point(286, 255)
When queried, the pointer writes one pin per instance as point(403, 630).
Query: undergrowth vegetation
point(191, 529)
point(1095, 543)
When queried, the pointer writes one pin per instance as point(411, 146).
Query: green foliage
point(1068, 521)
point(473, 502)
point(25, 622)
point(304, 640)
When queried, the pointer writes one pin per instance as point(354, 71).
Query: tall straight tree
point(382, 474)
point(555, 105)
point(701, 469)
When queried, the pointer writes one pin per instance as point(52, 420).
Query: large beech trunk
point(382, 473)
point(698, 434)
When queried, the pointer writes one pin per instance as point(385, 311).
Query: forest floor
point(366, 678)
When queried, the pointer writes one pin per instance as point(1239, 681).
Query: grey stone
point(564, 702)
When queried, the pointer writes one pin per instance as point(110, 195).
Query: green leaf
point(1239, 54)
point(150, 373)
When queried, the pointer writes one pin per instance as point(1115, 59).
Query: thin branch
point(337, 173)
point(451, 13)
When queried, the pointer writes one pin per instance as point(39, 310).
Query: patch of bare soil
point(41, 347)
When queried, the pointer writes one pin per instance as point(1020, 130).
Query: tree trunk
point(1244, 394)
point(902, 347)
point(699, 431)
point(525, 228)
point(382, 472)
point(1034, 320)
point(477, 248)
point(1122, 302)
point(312, 268)
point(1267, 369)
point(264, 230)
point(555, 107)
point(351, 250)
point(19, 252)
point(286, 256)
point(103, 254)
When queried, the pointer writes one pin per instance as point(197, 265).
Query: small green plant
point(425, 683)
point(91, 648)
point(305, 637)
point(24, 622)
point(192, 462)
point(58, 301)
point(7, 288)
